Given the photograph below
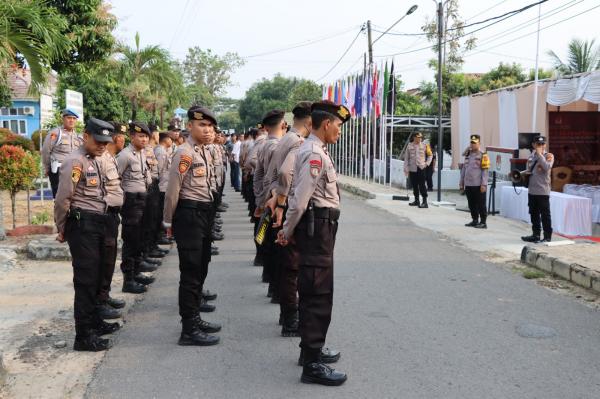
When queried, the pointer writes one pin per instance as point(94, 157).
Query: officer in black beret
point(136, 179)
point(80, 212)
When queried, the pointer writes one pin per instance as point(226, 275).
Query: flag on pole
point(391, 94)
point(330, 93)
point(386, 86)
point(358, 96)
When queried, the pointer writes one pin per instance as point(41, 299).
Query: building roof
point(19, 81)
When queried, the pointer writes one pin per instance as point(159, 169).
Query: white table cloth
point(571, 215)
point(587, 191)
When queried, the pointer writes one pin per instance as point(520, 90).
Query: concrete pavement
point(415, 315)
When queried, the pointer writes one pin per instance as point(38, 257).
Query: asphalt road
point(414, 317)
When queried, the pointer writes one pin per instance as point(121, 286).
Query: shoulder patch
point(184, 163)
point(428, 150)
point(485, 161)
point(315, 167)
point(76, 173)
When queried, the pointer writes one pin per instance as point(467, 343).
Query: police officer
point(163, 158)
point(80, 213)
point(251, 164)
point(152, 211)
point(118, 142)
point(59, 143)
point(474, 180)
point(274, 123)
point(539, 168)
point(418, 157)
point(280, 176)
point(107, 305)
point(136, 179)
point(187, 213)
point(312, 221)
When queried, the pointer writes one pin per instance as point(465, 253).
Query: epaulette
point(485, 161)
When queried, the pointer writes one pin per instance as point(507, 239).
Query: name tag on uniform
point(91, 180)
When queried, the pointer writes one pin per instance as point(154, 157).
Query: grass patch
point(531, 274)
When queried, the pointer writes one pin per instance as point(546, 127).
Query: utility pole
point(370, 43)
point(440, 109)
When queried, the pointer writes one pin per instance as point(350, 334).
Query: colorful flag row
point(367, 93)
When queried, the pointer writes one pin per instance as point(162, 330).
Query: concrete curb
point(3, 371)
point(573, 272)
point(357, 191)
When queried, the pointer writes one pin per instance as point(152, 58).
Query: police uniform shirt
point(151, 161)
point(190, 177)
point(133, 169)
point(287, 143)
point(285, 176)
point(58, 144)
point(315, 179)
point(217, 157)
point(264, 160)
point(81, 186)
point(163, 160)
point(418, 156)
point(475, 169)
point(112, 180)
point(252, 161)
point(539, 180)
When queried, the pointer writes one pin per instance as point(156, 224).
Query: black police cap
point(475, 138)
point(302, 109)
point(200, 114)
point(539, 140)
point(101, 131)
point(273, 117)
point(119, 127)
point(139, 127)
point(173, 128)
point(332, 108)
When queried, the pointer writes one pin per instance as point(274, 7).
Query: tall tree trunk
point(28, 207)
point(13, 202)
point(133, 109)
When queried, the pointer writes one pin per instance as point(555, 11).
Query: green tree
point(264, 96)
point(138, 69)
point(305, 90)
point(502, 76)
point(31, 34)
point(582, 56)
point(89, 31)
point(208, 74)
point(230, 120)
point(18, 169)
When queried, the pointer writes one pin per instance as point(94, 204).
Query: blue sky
point(251, 28)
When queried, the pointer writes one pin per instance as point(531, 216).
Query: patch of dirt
point(21, 209)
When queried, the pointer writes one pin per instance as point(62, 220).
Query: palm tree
point(583, 56)
point(138, 69)
point(30, 32)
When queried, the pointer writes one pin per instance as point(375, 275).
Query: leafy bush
point(35, 137)
point(18, 169)
point(40, 218)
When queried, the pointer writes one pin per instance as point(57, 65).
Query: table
point(587, 191)
point(571, 215)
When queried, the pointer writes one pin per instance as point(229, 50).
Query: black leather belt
point(191, 204)
point(79, 213)
point(113, 209)
point(140, 195)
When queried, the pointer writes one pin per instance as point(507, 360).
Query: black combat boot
point(424, 204)
point(217, 236)
point(315, 371)
point(205, 307)
point(192, 335)
point(146, 267)
point(132, 286)
point(415, 202)
point(214, 250)
point(206, 326)
point(327, 356)
point(155, 253)
point(153, 261)
point(472, 224)
point(104, 328)
point(482, 225)
point(209, 296)
point(535, 237)
point(104, 311)
point(115, 303)
point(87, 340)
point(290, 325)
point(547, 236)
point(143, 279)
point(258, 260)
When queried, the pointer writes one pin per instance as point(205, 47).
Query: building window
point(13, 111)
point(3, 111)
point(15, 126)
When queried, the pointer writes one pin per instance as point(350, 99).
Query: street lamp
point(440, 13)
point(410, 11)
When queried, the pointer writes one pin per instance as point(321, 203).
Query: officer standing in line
point(163, 158)
point(188, 212)
point(152, 211)
point(118, 140)
point(312, 222)
point(251, 164)
point(244, 150)
point(275, 125)
point(81, 219)
point(418, 157)
point(59, 143)
point(280, 175)
point(539, 169)
point(174, 133)
point(474, 180)
point(107, 305)
point(136, 179)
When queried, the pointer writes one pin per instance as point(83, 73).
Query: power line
point(302, 44)
point(362, 28)
point(487, 9)
point(183, 13)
